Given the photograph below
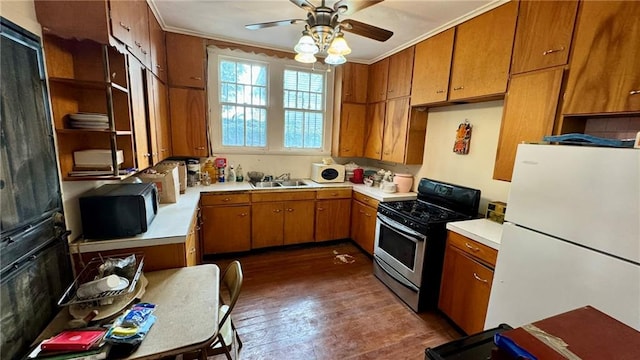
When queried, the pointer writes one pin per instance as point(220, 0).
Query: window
point(261, 104)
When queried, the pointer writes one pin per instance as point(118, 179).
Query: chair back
point(230, 286)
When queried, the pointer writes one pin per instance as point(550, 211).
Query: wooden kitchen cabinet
point(482, 54)
point(354, 83)
point(348, 140)
point(467, 275)
point(404, 132)
point(188, 122)
point(157, 48)
point(281, 218)
point(87, 20)
point(374, 130)
point(604, 72)
point(122, 20)
point(431, 68)
point(186, 57)
point(400, 73)
point(299, 222)
point(158, 257)
point(363, 221)
point(159, 126)
point(139, 113)
point(529, 114)
point(378, 78)
point(543, 35)
point(226, 223)
point(139, 45)
point(192, 244)
point(333, 214)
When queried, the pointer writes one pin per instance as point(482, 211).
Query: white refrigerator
point(571, 236)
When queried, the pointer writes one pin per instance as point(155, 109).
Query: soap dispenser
point(232, 174)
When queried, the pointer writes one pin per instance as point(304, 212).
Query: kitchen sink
point(292, 183)
point(266, 184)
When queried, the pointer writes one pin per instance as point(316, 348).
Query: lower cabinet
point(467, 275)
point(226, 223)
point(192, 244)
point(363, 221)
point(333, 214)
point(282, 218)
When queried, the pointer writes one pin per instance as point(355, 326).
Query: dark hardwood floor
point(307, 303)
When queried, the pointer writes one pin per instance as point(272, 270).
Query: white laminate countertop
point(484, 231)
point(171, 224)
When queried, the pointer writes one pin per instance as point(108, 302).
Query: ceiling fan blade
point(366, 30)
point(348, 7)
point(304, 4)
point(273, 24)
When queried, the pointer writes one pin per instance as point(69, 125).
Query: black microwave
point(118, 210)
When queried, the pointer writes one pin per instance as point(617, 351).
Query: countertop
point(484, 231)
point(171, 224)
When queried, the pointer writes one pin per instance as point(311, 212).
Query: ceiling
point(410, 21)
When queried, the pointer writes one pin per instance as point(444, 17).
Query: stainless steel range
point(410, 239)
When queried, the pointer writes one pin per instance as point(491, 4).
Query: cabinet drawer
point(282, 195)
point(366, 199)
point(224, 199)
point(473, 248)
point(333, 194)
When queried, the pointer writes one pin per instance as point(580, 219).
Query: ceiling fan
point(323, 29)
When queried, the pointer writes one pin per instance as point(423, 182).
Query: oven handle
point(396, 226)
point(391, 273)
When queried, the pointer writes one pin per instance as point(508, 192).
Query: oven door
point(400, 247)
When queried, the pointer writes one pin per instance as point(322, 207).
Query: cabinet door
point(226, 229)
point(159, 130)
point(140, 32)
point(543, 35)
point(299, 221)
point(354, 83)
point(529, 114)
point(139, 114)
point(70, 19)
point(374, 130)
point(352, 124)
point(483, 54)
point(604, 72)
point(333, 219)
point(122, 21)
point(158, 54)
point(188, 122)
point(186, 60)
point(192, 242)
point(400, 73)
point(363, 225)
point(464, 292)
point(431, 68)
point(395, 130)
point(378, 77)
point(267, 224)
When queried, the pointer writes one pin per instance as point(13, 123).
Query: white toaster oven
point(322, 173)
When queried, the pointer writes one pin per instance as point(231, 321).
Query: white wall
point(21, 12)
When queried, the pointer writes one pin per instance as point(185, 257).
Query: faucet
point(285, 176)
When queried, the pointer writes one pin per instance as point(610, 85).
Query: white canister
point(403, 182)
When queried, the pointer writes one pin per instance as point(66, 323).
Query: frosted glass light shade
point(306, 45)
point(333, 59)
point(305, 58)
point(339, 46)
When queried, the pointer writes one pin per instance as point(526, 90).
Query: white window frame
point(275, 104)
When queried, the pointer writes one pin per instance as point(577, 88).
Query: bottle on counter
point(239, 176)
point(232, 174)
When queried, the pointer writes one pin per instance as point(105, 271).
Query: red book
point(73, 340)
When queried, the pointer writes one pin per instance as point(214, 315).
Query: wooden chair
point(230, 286)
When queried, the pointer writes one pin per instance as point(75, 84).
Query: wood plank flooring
point(309, 304)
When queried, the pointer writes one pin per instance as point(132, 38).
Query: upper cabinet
point(431, 68)
point(158, 52)
point(400, 71)
point(348, 139)
point(188, 122)
point(482, 54)
point(186, 57)
point(543, 35)
point(404, 133)
point(354, 83)
point(378, 77)
point(604, 75)
point(139, 45)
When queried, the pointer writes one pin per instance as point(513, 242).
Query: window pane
point(227, 71)
point(303, 102)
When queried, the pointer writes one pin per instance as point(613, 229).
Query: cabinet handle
point(439, 91)
point(243, 214)
point(226, 199)
point(143, 51)
point(479, 278)
point(361, 211)
point(634, 92)
point(125, 26)
point(320, 209)
point(137, 44)
point(367, 214)
point(196, 78)
point(276, 210)
point(192, 250)
point(551, 51)
point(390, 91)
point(200, 148)
point(290, 210)
point(334, 194)
point(387, 153)
point(458, 88)
point(146, 155)
point(471, 247)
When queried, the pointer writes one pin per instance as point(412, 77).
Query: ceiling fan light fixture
point(306, 45)
point(339, 46)
point(335, 59)
point(305, 58)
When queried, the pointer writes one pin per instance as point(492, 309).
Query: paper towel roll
point(96, 287)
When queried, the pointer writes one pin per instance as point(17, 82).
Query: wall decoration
point(463, 138)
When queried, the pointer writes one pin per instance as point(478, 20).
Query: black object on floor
point(473, 347)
